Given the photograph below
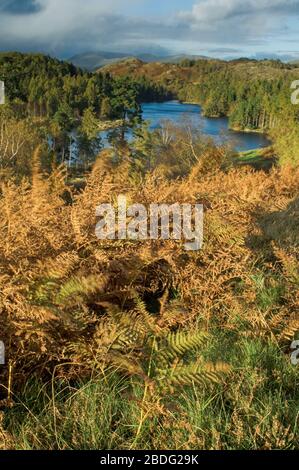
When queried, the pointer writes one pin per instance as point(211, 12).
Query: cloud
point(224, 50)
point(20, 7)
point(58, 26)
point(67, 27)
point(250, 23)
point(209, 11)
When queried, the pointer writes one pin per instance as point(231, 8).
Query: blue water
point(217, 128)
point(180, 113)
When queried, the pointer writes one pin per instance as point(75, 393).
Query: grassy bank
point(257, 408)
point(260, 159)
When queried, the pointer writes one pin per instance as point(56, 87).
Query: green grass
point(269, 291)
point(260, 159)
point(256, 408)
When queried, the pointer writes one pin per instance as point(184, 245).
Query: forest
point(41, 86)
point(140, 344)
point(51, 99)
point(255, 95)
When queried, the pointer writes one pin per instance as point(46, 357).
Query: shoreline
point(235, 129)
point(245, 130)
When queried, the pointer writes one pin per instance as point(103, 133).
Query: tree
point(88, 138)
point(64, 117)
point(18, 140)
point(90, 124)
point(106, 109)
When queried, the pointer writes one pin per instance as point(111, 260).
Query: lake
point(217, 128)
point(214, 127)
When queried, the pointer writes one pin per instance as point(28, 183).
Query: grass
point(257, 408)
point(260, 159)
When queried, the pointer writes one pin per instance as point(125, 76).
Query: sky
point(217, 28)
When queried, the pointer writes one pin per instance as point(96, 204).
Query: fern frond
point(195, 373)
point(61, 266)
point(79, 288)
point(179, 343)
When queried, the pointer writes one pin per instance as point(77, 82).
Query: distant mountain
point(176, 59)
point(95, 60)
point(170, 59)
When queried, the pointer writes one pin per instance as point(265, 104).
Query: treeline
point(41, 86)
point(253, 94)
point(56, 98)
point(151, 91)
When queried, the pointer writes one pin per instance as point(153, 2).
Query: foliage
point(256, 409)
point(255, 95)
point(128, 344)
point(70, 300)
point(45, 87)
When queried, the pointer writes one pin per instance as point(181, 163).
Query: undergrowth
point(129, 344)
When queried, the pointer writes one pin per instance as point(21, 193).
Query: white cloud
point(216, 10)
point(67, 26)
point(60, 23)
point(240, 21)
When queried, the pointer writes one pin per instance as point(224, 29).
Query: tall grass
point(256, 409)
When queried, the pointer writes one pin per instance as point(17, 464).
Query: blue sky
point(218, 28)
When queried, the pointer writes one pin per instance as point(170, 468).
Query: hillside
point(17, 70)
point(154, 70)
point(82, 317)
point(184, 79)
point(94, 60)
point(187, 70)
point(42, 86)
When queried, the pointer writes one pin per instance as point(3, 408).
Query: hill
point(94, 60)
point(191, 69)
